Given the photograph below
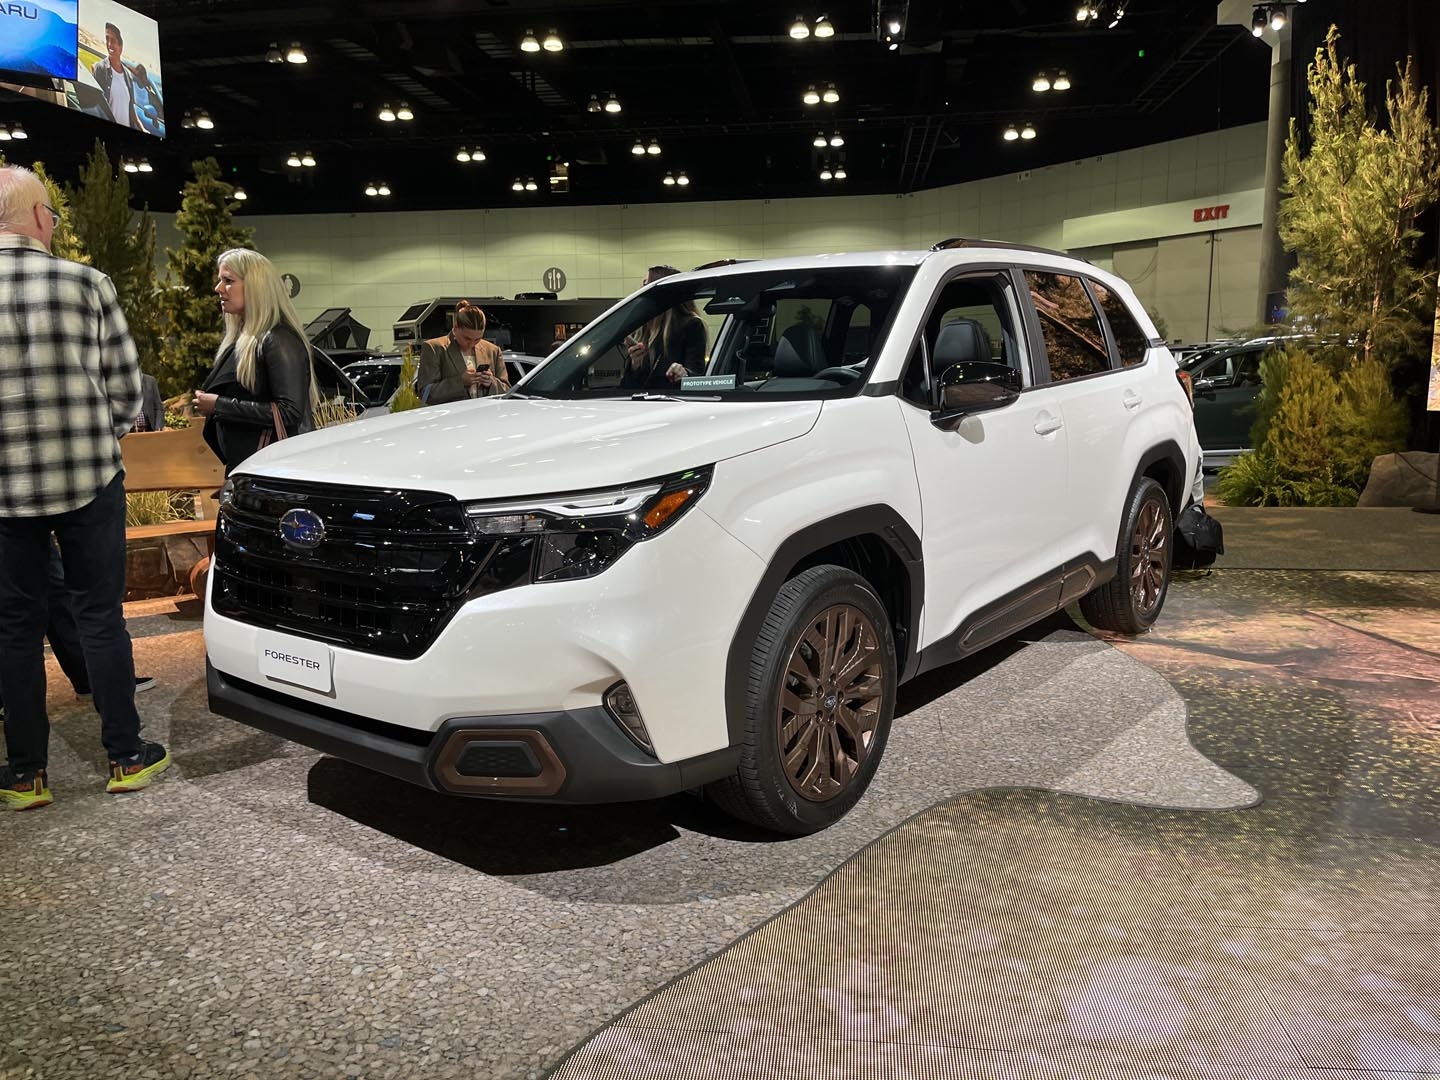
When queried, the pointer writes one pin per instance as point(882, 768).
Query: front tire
point(819, 703)
point(1131, 601)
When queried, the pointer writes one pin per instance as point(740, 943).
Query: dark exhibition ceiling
point(719, 85)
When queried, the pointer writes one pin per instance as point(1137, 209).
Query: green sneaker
point(24, 791)
point(136, 772)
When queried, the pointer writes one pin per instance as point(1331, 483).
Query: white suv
point(584, 592)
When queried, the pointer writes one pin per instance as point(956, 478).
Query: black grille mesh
point(392, 569)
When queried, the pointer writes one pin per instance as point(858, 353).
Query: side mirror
point(971, 387)
point(1207, 383)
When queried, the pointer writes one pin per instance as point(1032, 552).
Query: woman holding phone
point(668, 347)
point(462, 364)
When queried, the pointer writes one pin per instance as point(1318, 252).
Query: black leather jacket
point(242, 416)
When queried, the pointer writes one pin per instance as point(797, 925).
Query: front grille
point(392, 568)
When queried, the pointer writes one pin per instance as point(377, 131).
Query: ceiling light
point(145, 165)
point(831, 95)
point(1011, 133)
point(387, 113)
point(654, 148)
point(824, 28)
point(682, 179)
point(1277, 17)
point(798, 30)
point(1041, 83)
point(273, 55)
point(296, 55)
point(404, 113)
point(371, 189)
point(837, 140)
point(840, 172)
point(826, 174)
point(1027, 132)
point(239, 193)
point(612, 104)
point(307, 159)
point(384, 188)
point(819, 141)
point(1087, 12)
point(462, 154)
point(552, 42)
point(5, 135)
point(17, 131)
point(129, 166)
point(594, 104)
point(203, 121)
point(638, 149)
point(1258, 21)
point(293, 161)
point(187, 121)
point(530, 184)
point(811, 95)
point(1062, 81)
point(1119, 14)
point(477, 155)
point(669, 180)
point(518, 185)
point(529, 43)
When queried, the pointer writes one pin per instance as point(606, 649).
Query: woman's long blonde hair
point(267, 304)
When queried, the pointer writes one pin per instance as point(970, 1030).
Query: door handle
point(1045, 424)
point(1132, 400)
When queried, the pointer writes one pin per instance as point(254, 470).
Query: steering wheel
point(842, 375)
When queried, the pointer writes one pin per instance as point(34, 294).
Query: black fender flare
point(878, 520)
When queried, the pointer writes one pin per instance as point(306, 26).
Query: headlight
point(578, 536)
point(227, 491)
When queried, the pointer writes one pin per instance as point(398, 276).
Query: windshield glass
point(792, 333)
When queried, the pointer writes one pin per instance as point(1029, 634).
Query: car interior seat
point(960, 341)
point(799, 353)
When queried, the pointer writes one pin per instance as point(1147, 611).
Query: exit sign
point(1212, 213)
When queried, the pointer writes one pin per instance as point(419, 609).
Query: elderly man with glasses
point(61, 474)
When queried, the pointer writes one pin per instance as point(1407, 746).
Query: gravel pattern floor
point(1021, 935)
point(263, 910)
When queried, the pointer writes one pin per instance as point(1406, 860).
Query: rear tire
point(1131, 601)
point(819, 703)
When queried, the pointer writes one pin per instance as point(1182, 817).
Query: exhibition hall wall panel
point(379, 263)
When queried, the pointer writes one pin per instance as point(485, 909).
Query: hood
point(506, 447)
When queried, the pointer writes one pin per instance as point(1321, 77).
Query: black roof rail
point(719, 262)
point(967, 241)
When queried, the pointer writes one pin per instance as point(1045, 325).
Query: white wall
point(381, 262)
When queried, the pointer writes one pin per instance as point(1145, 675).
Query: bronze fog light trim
point(549, 780)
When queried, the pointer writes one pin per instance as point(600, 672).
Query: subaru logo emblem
point(302, 528)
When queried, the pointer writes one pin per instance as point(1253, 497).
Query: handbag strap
point(278, 419)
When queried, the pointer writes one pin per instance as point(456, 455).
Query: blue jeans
point(92, 548)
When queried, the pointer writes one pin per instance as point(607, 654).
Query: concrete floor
point(264, 910)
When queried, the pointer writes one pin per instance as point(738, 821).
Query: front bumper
point(574, 756)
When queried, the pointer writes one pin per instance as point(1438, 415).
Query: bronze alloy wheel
point(1149, 557)
point(830, 704)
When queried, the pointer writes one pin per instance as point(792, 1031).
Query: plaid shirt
point(69, 381)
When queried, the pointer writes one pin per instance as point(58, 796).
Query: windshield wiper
point(647, 396)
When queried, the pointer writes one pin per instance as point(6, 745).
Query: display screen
point(38, 37)
point(118, 74)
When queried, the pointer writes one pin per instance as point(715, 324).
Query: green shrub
point(1318, 428)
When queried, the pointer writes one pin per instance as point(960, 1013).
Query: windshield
point(792, 333)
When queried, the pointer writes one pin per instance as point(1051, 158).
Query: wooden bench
point(176, 459)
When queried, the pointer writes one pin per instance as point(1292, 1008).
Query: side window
point(974, 319)
point(1130, 340)
point(1070, 324)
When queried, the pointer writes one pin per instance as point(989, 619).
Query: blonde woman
point(462, 364)
point(263, 366)
point(668, 347)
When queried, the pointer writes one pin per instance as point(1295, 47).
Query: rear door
point(1227, 392)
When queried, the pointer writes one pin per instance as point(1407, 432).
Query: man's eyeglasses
point(54, 215)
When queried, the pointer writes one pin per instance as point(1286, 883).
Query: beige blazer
point(442, 369)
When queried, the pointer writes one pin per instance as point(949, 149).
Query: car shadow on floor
point(505, 838)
